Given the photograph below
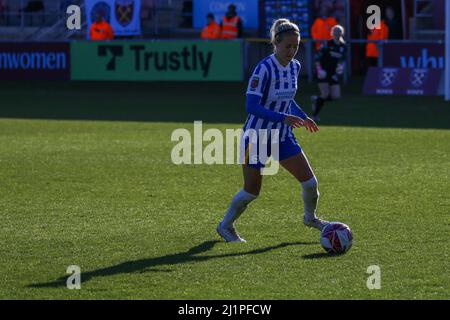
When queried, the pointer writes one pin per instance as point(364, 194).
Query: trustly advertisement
point(158, 60)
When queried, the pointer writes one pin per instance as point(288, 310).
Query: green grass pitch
point(105, 196)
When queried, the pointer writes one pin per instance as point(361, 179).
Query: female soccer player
point(329, 66)
point(270, 105)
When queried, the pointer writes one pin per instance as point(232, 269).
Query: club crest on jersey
point(254, 83)
point(124, 11)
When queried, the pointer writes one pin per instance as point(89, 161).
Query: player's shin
point(318, 105)
point(310, 195)
point(237, 207)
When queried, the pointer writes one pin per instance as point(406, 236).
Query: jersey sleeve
point(253, 107)
point(319, 55)
point(258, 80)
point(296, 110)
point(298, 67)
point(344, 54)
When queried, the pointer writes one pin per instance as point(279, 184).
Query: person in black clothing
point(394, 23)
point(329, 62)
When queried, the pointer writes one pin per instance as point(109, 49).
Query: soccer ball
point(336, 237)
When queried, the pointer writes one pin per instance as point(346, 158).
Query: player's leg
point(251, 169)
point(252, 187)
point(300, 168)
point(252, 179)
point(318, 103)
point(335, 90)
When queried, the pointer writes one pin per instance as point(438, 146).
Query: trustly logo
point(188, 58)
point(115, 51)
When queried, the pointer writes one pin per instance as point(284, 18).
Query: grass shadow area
point(321, 255)
point(154, 264)
point(212, 102)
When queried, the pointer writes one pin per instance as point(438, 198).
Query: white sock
point(237, 206)
point(310, 196)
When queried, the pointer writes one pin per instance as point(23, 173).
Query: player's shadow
point(322, 255)
point(152, 264)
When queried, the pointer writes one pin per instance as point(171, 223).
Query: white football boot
point(229, 234)
point(317, 223)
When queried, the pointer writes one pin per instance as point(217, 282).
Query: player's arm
point(318, 65)
point(258, 84)
point(321, 73)
point(254, 107)
point(308, 123)
point(297, 110)
point(340, 67)
point(322, 50)
point(341, 63)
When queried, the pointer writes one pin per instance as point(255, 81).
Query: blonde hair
point(338, 26)
point(282, 27)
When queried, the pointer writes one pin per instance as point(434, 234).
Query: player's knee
point(320, 102)
point(253, 188)
point(314, 183)
point(335, 96)
point(335, 93)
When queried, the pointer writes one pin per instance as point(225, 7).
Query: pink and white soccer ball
point(336, 237)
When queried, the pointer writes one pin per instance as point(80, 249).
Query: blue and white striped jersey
point(277, 86)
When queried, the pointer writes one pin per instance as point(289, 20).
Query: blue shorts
point(257, 154)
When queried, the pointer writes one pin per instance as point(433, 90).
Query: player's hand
point(340, 69)
point(310, 125)
point(321, 74)
point(293, 121)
